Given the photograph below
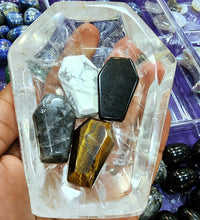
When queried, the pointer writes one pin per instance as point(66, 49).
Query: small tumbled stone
point(30, 15)
point(78, 77)
point(117, 82)
point(14, 19)
point(4, 48)
point(161, 173)
point(196, 152)
point(175, 154)
point(166, 215)
point(195, 199)
point(154, 204)
point(15, 32)
point(54, 123)
point(2, 18)
point(91, 146)
point(7, 7)
point(187, 213)
point(3, 31)
point(25, 4)
point(181, 180)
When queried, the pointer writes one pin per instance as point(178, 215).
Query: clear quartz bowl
point(123, 184)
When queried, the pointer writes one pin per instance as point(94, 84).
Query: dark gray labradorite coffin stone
point(117, 82)
point(54, 123)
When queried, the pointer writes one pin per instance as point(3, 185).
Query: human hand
point(14, 197)
point(15, 204)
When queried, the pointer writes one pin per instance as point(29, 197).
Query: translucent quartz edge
point(25, 103)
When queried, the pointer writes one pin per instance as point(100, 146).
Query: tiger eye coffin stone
point(92, 143)
point(54, 123)
point(117, 82)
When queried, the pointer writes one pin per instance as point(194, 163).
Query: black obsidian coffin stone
point(117, 82)
point(54, 122)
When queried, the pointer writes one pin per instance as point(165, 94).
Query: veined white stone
point(78, 77)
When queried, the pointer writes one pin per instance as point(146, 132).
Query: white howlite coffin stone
point(78, 77)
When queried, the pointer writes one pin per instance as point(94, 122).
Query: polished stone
point(154, 204)
point(181, 180)
point(196, 152)
point(161, 173)
point(91, 146)
point(78, 77)
point(54, 123)
point(175, 154)
point(25, 4)
point(15, 32)
point(2, 18)
point(30, 15)
point(166, 215)
point(4, 48)
point(14, 19)
point(3, 31)
point(117, 82)
point(194, 199)
point(187, 213)
point(7, 7)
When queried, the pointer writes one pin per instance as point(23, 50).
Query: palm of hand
point(15, 204)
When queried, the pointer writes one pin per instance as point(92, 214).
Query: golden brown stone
point(92, 144)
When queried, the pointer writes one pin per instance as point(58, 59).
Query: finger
point(14, 149)
point(8, 125)
point(14, 197)
point(125, 48)
point(83, 41)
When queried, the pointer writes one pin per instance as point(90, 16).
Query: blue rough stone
point(3, 31)
point(30, 15)
point(15, 32)
point(7, 7)
point(4, 48)
point(14, 19)
point(2, 18)
point(25, 4)
point(54, 122)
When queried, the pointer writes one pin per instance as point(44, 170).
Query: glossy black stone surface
point(195, 199)
point(186, 213)
point(54, 123)
point(175, 154)
point(166, 215)
point(117, 82)
point(180, 180)
point(196, 152)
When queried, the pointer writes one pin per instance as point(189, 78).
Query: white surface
point(78, 77)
